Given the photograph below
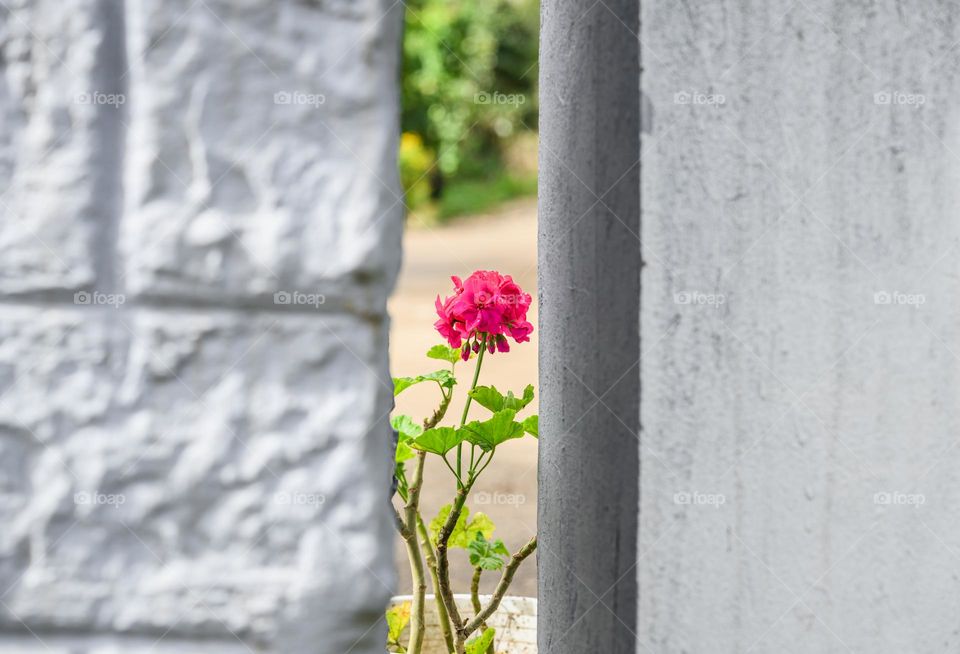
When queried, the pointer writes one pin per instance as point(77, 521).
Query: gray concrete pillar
point(800, 469)
point(589, 256)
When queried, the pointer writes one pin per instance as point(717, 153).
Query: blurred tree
point(469, 84)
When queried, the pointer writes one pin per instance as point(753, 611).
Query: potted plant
point(485, 311)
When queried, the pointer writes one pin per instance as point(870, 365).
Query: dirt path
point(505, 241)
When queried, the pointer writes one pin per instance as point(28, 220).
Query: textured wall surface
point(200, 226)
point(800, 332)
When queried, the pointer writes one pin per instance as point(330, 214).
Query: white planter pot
point(515, 622)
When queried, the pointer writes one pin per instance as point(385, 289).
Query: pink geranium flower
point(485, 308)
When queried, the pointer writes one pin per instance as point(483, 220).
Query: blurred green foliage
point(468, 90)
point(476, 195)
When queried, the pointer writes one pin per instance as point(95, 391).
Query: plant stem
point(475, 590)
point(428, 553)
point(441, 411)
point(443, 565)
point(466, 406)
point(473, 384)
point(415, 642)
point(398, 520)
point(500, 591)
point(409, 534)
point(484, 467)
point(475, 600)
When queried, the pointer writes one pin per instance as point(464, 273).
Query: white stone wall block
point(61, 106)
point(239, 460)
point(272, 169)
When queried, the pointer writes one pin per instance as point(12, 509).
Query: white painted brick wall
point(201, 466)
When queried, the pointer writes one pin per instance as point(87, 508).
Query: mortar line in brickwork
point(66, 300)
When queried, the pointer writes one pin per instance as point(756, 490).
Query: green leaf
point(463, 531)
point(480, 644)
point(404, 452)
point(481, 525)
point(491, 433)
point(438, 440)
point(532, 426)
point(400, 473)
point(397, 619)
point(443, 377)
point(444, 353)
point(408, 430)
point(490, 398)
point(518, 403)
point(437, 523)
point(400, 384)
point(487, 554)
point(406, 426)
